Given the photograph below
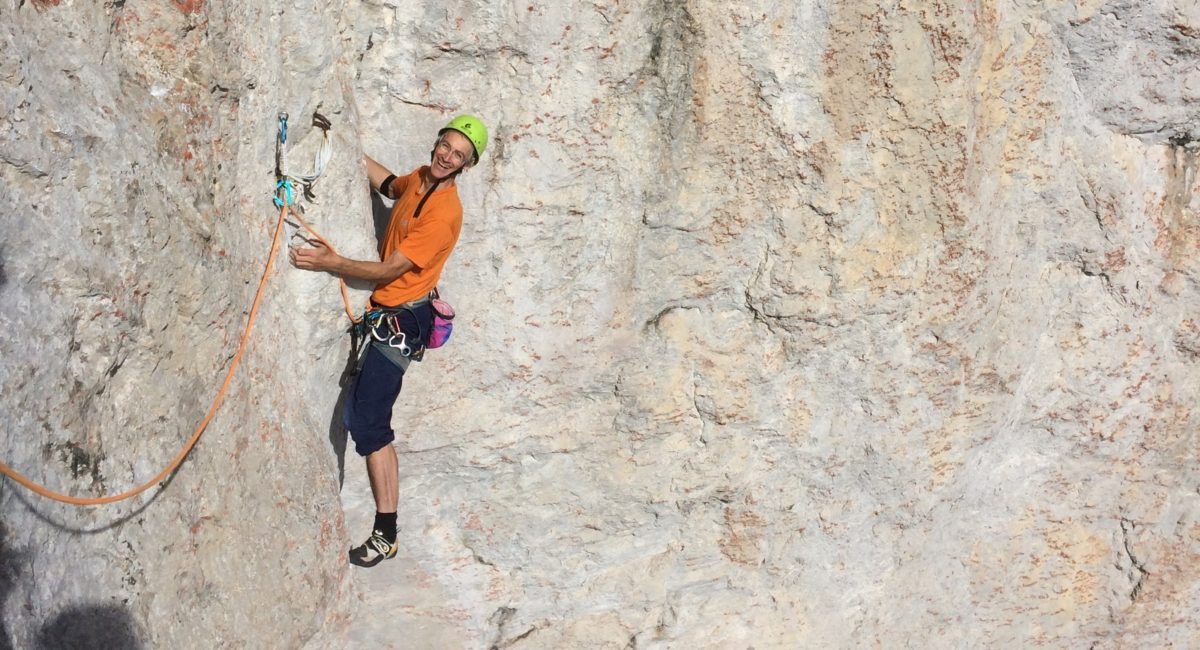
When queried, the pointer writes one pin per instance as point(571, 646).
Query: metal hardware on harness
point(402, 346)
point(392, 335)
point(374, 322)
point(382, 327)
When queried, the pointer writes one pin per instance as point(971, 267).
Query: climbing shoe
point(373, 551)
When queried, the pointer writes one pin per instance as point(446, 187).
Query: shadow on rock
point(381, 214)
point(10, 563)
point(93, 626)
point(337, 434)
point(337, 425)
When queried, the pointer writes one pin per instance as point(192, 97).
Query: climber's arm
point(377, 174)
point(318, 257)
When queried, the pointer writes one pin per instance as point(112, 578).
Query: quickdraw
point(285, 201)
point(285, 197)
point(383, 326)
point(284, 188)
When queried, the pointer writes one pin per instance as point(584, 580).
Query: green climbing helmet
point(473, 128)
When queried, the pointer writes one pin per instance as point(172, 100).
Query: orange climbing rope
point(216, 405)
point(95, 501)
point(341, 282)
point(285, 205)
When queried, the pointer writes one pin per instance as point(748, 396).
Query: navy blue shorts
point(368, 409)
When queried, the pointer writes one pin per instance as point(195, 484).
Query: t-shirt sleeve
point(425, 240)
point(399, 186)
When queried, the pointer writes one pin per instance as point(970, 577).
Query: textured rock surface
point(136, 157)
point(827, 325)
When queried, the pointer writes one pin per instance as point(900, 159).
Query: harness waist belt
point(405, 305)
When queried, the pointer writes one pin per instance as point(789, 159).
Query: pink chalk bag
point(443, 315)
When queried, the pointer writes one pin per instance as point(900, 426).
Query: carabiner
point(375, 327)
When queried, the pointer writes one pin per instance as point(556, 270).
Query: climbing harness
point(286, 202)
point(383, 328)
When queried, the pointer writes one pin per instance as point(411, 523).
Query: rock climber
point(422, 231)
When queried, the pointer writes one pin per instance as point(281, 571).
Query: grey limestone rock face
point(136, 156)
point(1135, 63)
point(825, 324)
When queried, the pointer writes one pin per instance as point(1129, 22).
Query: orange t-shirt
point(427, 241)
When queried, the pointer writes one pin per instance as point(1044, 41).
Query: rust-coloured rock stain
point(186, 6)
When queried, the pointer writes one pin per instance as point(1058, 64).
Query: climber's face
point(452, 152)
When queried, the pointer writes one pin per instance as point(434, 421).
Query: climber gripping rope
point(423, 229)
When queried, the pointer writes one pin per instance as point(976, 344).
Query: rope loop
point(286, 201)
point(283, 194)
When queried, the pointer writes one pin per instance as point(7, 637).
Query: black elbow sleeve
point(385, 188)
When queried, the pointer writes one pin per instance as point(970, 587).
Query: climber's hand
point(314, 257)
